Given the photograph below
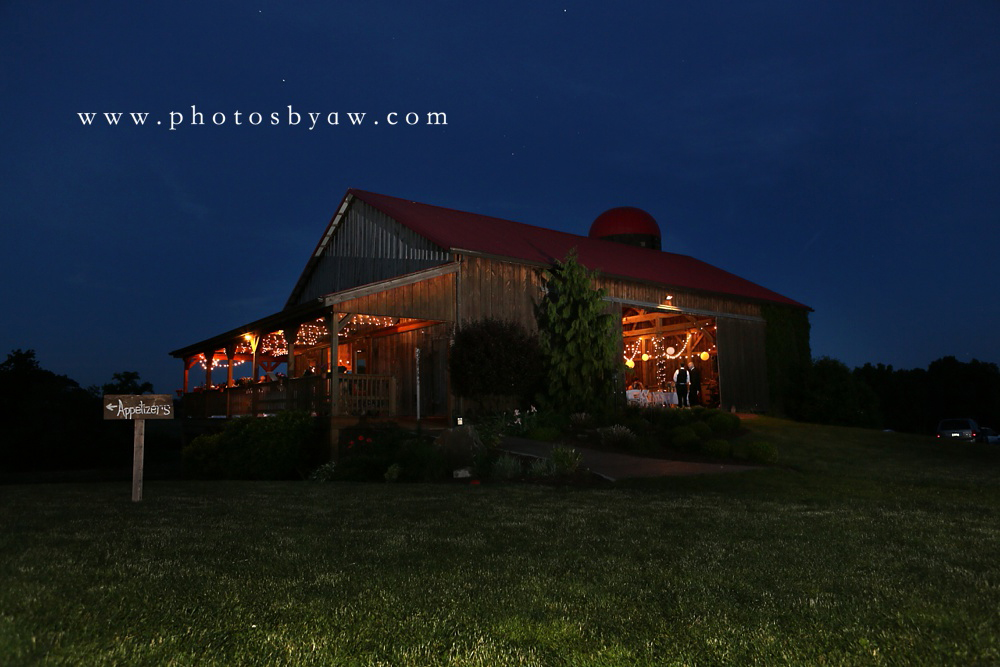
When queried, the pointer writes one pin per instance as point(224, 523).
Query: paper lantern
point(645, 357)
point(704, 356)
point(630, 363)
point(670, 350)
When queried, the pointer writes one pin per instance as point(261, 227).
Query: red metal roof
point(459, 230)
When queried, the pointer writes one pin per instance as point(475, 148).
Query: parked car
point(958, 430)
point(990, 436)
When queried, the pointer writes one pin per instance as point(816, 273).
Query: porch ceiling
point(280, 320)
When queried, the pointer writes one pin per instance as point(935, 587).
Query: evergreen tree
point(578, 339)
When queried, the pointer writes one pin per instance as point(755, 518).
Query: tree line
point(879, 396)
point(50, 422)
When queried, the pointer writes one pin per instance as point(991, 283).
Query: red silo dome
point(627, 224)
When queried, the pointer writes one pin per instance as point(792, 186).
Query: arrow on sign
point(111, 406)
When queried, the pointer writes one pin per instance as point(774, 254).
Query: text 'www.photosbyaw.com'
point(289, 117)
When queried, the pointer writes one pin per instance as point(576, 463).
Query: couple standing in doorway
point(688, 383)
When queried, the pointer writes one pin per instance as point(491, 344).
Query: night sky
point(846, 155)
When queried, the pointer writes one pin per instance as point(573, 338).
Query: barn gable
point(363, 245)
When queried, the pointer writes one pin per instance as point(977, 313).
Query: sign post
point(138, 408)
point(417, 355)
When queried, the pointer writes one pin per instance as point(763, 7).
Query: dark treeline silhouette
point(916, 400)
point(879, 396)
point(50, 422)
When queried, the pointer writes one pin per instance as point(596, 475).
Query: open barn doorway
point(657, 343)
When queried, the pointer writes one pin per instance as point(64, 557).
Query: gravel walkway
point(621, 466)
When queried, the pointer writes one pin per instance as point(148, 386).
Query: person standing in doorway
point(694, 385)
point(681, 382)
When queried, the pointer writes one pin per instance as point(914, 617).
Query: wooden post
point(230, 355)
point(334, 326)
point(254, 345)
point(138, 447)
point(255, 371)
point(138, 407)
point(209, 358)
point(188, 363)
point(290, 337)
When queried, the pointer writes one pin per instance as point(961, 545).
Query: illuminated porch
point(368, 371)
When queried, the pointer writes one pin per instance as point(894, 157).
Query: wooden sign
point(134, 406)
point(138, 408)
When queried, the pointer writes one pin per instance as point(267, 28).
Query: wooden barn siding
point(432, 299)
point(644, 293)
point(504, 290)
point(369, 246)
point(501, 290)
point(395, 355)
point(742, 364)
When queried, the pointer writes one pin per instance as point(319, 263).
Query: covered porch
point(339, 364)
point(379, 350)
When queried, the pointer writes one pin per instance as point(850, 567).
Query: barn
point(367, 327)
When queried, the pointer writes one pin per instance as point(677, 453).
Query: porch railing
point(367, 395)
point(373, 395)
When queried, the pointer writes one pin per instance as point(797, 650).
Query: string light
point(219, 363)
point(316, 333)
point(362, 323)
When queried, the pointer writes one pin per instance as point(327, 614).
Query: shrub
point(506, 467)
point(420, 460)
point(616, 436)
point(540, 468)
point(666, 418)
point(636, 423)
point(202, 457)
point(483, 460)
point(367, 453)
point(702, 430)
point(392, 474)
point(495, 362)
point(565, 460)
point(324, 473)
point(278, 447)
point(492, 429)
point(717, 448)
point(762, 452)
point(723, 423)
point(459, 446)
point(683, 437)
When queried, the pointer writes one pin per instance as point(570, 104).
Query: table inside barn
point(651, 397)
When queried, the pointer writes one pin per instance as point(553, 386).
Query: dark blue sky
point(845, 155)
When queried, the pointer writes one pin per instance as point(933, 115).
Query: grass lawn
point(861, 547)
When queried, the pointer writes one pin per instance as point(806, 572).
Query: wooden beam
point(375, 288)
